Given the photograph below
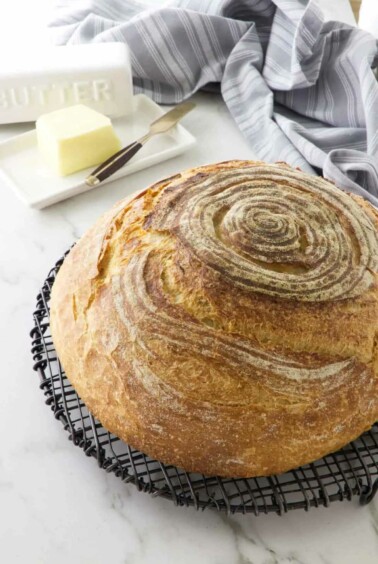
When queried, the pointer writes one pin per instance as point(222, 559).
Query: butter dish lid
point(96, 74)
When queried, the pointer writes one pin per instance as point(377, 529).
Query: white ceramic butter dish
point(23, 170)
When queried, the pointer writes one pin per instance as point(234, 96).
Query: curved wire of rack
point(352, 471)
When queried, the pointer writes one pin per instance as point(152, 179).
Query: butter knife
point(116, 161)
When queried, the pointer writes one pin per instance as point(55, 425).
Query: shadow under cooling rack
point(352, 471)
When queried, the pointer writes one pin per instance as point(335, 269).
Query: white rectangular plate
point(22, 169)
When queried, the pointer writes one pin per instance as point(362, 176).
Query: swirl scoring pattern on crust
point(143, 318)
point(275, 232)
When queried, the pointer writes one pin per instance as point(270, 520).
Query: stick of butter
point(75, 138)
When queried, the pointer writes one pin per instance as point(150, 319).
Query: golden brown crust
point(225, 319)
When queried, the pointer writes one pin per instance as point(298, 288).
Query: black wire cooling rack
point(352, 471)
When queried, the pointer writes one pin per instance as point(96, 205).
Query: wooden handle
point(113, 163)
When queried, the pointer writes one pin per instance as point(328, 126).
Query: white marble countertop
point(56, 506)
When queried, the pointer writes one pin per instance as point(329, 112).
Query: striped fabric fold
point(300, 89)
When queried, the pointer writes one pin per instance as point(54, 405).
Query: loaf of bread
point(225, 319)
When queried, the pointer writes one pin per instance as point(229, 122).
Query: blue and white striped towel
point(301, 90)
